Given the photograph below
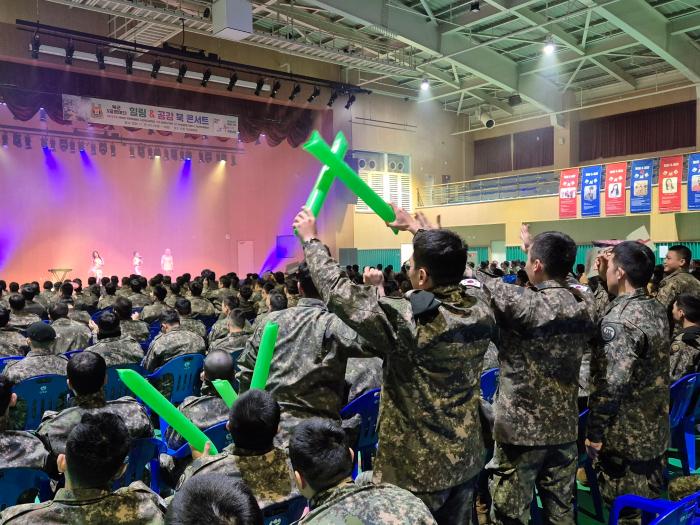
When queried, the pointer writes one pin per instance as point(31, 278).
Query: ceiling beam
point(685, 24)
point(428, 11)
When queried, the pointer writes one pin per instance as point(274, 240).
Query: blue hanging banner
point(640, 186)
point(590, 191)
point(694, 181)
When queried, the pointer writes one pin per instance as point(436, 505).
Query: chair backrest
point(96, 316)
point(114, 388)
point(5, 360)
point(144, 453)
point(681, 396)
point(71, 353)
point(219, 435)
point(489, 384)
point(22, 485)
point(41, 393)
point(285, 512)
point(185, 371)
point(657, 511)
point(208, 320)
point(153, 330)
point(367, 406)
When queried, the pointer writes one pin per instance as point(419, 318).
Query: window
point(392, 187)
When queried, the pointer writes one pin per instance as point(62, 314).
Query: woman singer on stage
point(137, 261)
point(97, 265)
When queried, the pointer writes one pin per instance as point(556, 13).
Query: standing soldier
point(676, 280)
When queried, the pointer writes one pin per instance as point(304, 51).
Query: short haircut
point(123, 308)
point(96, 449)
point(225, 281)
point(390, 287)
point(4, 316)
point(135, 285)
point(5, 394)
point(292, 286)
point(86, 372)
point(104, 281)
point(246, 292)
point(58, 310)
point(183, 306)
point(318, 450)
point(92, 280)
point(160, 293)
point(254, 419)
point(689, 303)
point(279, 277)
point(214, 499)
point(268, 287)
point(556, 251)
point(108, 325)
point(17, 302)
point(442, 253)
point(236, 318)
point(304, 279)
point(27, 292)
point(218, 365)
point(231, 302)
point(114, 279)
point(683, 252)
point(196, 288)
point(110, 288)
point(14, 287)
point(175, 288)
point(278, 301)
point(169, 316)
point(637, 260)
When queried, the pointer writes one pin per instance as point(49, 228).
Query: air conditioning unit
point(232, 19)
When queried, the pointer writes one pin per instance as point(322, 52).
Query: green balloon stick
point(326, 177)
point(319, 149)
point(226, 391)
point(165, 409)
point(264, 359)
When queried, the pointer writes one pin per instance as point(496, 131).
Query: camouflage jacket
point(119, 350)
point(21, 320)
point(429, 426)
point(79, 315)
point(630, 379)
point(201, 306)
point(362, 375)
point(106, 301)
point(12, 343)
point(685, 353)
point(70, 335)
point(292, 300)
point(136, 329)
point(543, 335)
point(139, 300)
point(38, 362)
point(369, 504)
point(132, 505)
point(675, 284)
point(55, 426)
point(171, 299)
point(217, 296)
point(175, 343)
point(219, 330)
point(20, 449)
point(35, 307)
point(248, 308)
point(269, 475)
point(193, 325)
point(232, 343)
point(152, 312)
point(204, 411)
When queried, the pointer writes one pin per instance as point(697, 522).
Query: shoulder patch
point(581, 287)
point(608, 333)
point(474, 283)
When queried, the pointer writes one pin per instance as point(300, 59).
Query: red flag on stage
point(615, 191)
point(670, 170)
point(568, 191)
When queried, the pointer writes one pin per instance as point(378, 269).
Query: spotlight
point(514, 100)
point(232, 81)
point(42, 115)
point(259, 86)
point(72, 146)
point(350, 102)
point(44, 143)
point(70, 49)
point(81, 146)
point(549, 46)
point(205, 77)
point(27, 142)
point(129, 59)
point(100, 55)
point(201, 157)
point(113, 150)
point(331, 100)
point(4, 140)
point(425, 84)
point(182, 71)
point(295, 91)
point(93, 149)
point(474, 7)
point(132, 152)
point(155, 68)
point(486, 118)
point(36, 45)
point(275, 89)
point(316, 92)
point(103, 148)
point(156, 153)
point(188, 155)
point(17, 140)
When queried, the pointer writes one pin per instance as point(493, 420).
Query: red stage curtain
point(533, 149)
point(492, 155)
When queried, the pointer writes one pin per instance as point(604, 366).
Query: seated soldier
point(184, 309)
point(47, 296)
point(70, 335)
point(79, 313)
point(215, 500)
point(291, 289)
point(220, 328)
point(30, 305)
point(90, 297)
point(152, 312)
point(322, 465)
point(261, 307)
point(685, 347)
point(20, 319)
point(125, 288)
point(66, 293)
point(11, 341)
point(137, 297)
point(109, 296)
point(175, 293)
point(87, 375)
point(114, 347)
point(362, 375)
point(246, 304)
point(96, 451)
point(251, 457)
point(133, 327)
point(200, 306)
point(274, 302)
point(218, 296)
point(237, 336)
point(208, 409)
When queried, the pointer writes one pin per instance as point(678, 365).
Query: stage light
point(113, 150)
point(316, 92)
point(102, 148)
point(232, 81)
point(295, 91)
point(425, 84)
point(188, 155)
point(72, 146)
point(205, 77)
point(549, 46)
point(474, 7)
point(182, 71)
point(259, 86)
point(350, 102)
point(27, 142)
point(132, 152)
point(100, 56)
point(36, 45)
point(201, 157)
point(155, 68)
point(129, 60)
point(93, 149)
point(44, 143)
point(141, 150)
point(156, 153)
point(81, 146)
point(4, 140)
point(334, 96)
point(275, 89)
point(42, 115)
point(514, 100)
point(486, 118)
point(70, 49)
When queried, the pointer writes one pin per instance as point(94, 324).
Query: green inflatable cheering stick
point(226, 391)
point(262, 363)
point(326, 177)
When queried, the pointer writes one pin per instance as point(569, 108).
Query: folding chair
point(144, 462)
point(367, 406)
point(22, 485)
point(284, 513)
point(657, 511)
point(41, 393)
point(489, 384)
point(114, 388)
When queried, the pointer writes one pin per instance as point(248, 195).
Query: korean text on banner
point(615, 188)
point(670, 170)
point(640, 187)
point(568, 186)
point(590, 191)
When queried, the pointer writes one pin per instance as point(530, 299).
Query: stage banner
point(568, 184)
point(615, 191)
point(126, 114)
point(670, 169)
point(694, 181)
point(640, 199)
point(590, 191)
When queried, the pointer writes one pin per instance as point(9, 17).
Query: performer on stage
point(166, 262)
point(137, 261)
point(97, 265)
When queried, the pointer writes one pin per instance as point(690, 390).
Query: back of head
point(292, 286)
point(135, 285)
point(160, 293)
point(14, 287)
point(225, 281)
point(183, 306)
point(390, 287)
point(442, 253)
point(67, 289)
point(319, 452)
point(690, 304)
point(27, 292)
point(236, 318)
point(246, 292)
point(683, 252)
point(253, 420)
point(104, 281)
point(175, 288)
point(110, 288)
point(5, 394)
point(125, 281)
point(268, 287)
point(96, 448)
point(231, 302)
point(307, 288)
point(108, 325)
point(637, 260)
point(278, 301)
point(218, 365)
point(58, 310)
point(86, 373)
point(92, 281)
point(4, 316)
point(17, 302)
point(279, 277)
point(196, 288)
point(123, 307)
point(170, 317)
point(213, 499)
point(556, 251)
point(114, 279)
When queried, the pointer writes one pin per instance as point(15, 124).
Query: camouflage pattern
point(139, 300)
point(219, 330)
point(453, 505)
point(308, 370)
point(429, 423)
point(217, 296)
point(120, 350)
point(175, 343)
point(136, 329)
point(675, 284)
point(204, 411)
point(55, 426)
point(38, 362)
point(629, 401)
point(292, 300)
point(20, 449)
point(261, 307)
point(20, 321)
point(268, 475)
point(79, 315)
point(46, 298)
point(70, 335)
point(152, 312)
point(201, 306)
point(363, 375)
point(171, 299)
point(349, 503)
point(232, 343)
point(12, 343)
point(685, 353)
point(683, 487)
point(193, 325)
point(106, 301)
point(248, 308)
point(34, 307)
point(602, 299)
point(132, 505)
point(490, 358)
point(124, 291)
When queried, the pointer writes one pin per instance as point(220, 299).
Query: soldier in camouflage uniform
point(676, 280)
point(95, 454)
point(262, 306)
point(218, 296)
point(429, 428)
point(11, 341)
point(128, 326)
point(174, 294)
point(114, 347)
point(247, 305)
point(685, 347)
point(184, 310)
point(70, 335)
point(220, 328)
point(19, 318)
point(238, 334)
point(152, 312)
point(291, 290)
point(200, 306)
point(274, 302)
point(627, 431)
point(29, 292)
point(47, 296)
point(323, 466)
point(109, 296)
point(137, 297)
point(361, 376)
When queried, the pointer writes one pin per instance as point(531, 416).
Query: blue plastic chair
point(285, 512)
point(114, 388)
point(24, 483)
point(217, 434)
point(5, 360)
point(185, 370)
point(208, 320)
point(489, 384)
point(96, 316)
point(41, 393)
point(367, 406)
point(71, 353)
point(657, 511)
point(682, 420)
point(144, 457)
